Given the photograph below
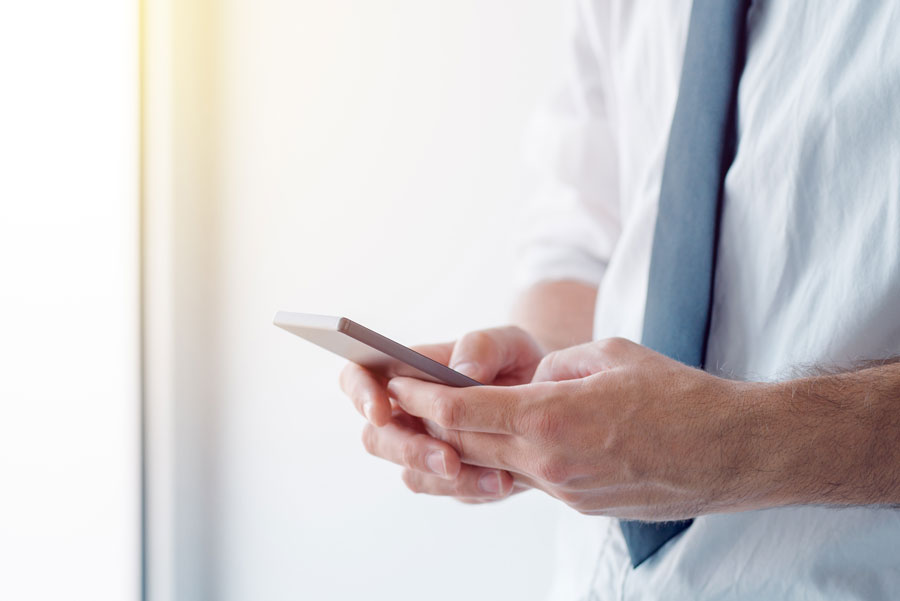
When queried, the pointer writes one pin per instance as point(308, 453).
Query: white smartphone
point(368, 348)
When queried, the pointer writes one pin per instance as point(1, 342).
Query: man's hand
point(500, 357)
point(610, 428)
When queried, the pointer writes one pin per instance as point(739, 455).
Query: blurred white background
point(370, 167)
point(350, 157)
point(70, 518)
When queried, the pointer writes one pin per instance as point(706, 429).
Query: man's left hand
point(611, 428)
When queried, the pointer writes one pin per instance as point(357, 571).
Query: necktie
point(701, 148)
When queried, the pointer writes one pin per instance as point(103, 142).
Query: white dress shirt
point(808, 264)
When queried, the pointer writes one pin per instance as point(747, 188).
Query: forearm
point(558, 314)
point(832, 439)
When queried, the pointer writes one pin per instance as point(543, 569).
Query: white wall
point(369, 165)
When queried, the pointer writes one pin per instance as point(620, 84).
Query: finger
point(477, 408)
point(516, 489)
point(485, 354)
point(471, 483)
point(472, 451)
point(440, 352)
point(411, 449)
point(368, 392)
point(411, 422)
point(507, 453)
point(486, 450)
point(520, 484)
point(481, 449)
point(585, 360)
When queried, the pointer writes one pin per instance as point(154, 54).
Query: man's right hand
point(505, 356)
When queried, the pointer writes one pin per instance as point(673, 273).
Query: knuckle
point(515, 331)
point(476, 340)
point(412, 481)
point(433, 430)
point(408, 453)
point(455, 440)
point(477, 346)
point(553, 366)
point(522, 340)
point(447, 411)
point(552, 471)
point(349, 377)
point(461, 488)
point(368, 438)
point(615, 346)
point(546, 361)
point(543, 372)
point(344, 379)
point(570, 498)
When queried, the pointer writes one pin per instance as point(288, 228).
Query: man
point(725, 188)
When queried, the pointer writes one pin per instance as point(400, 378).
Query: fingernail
point(467, 369)
point(368, 407)
point(489, 483)
point(436, 463)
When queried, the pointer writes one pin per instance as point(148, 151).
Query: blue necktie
point(701, 148)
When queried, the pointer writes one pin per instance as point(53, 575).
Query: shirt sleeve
point(571, 225)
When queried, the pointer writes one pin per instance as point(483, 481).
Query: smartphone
point(368, 348)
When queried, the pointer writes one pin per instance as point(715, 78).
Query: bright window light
point(69, 363)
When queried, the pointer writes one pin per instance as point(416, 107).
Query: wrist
point(814, 443)
point(778, 442)
point(756, 433)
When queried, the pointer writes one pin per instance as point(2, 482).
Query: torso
point(808, 272)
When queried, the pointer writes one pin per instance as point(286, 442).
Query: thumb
point(585, 360)
point(485, 354)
